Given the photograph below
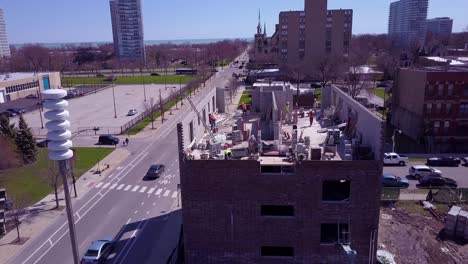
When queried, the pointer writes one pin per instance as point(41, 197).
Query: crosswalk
point(138, 189)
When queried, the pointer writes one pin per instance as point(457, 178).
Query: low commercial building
point(430, 105)
point(21, 84)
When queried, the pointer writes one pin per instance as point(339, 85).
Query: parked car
point(108, 140)
point(98, 251)
point(394, 159)
point(465, 161)
point(390, 180)
point(43, 143)
point(154, 74)
point(132, 112)
point(315, 85)
point(32, 96)
point(155, 171)
point(419, 171)
point(437, 181)
point(443, 161)
point(17, 111)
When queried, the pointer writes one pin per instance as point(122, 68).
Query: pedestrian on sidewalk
point(126, 141)
point(311, 117)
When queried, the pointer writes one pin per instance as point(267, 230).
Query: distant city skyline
point(89, 20)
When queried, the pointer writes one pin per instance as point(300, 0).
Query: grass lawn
point(246, 98)
point(128, 80)
point(318, 92)
point(419, 160)
point(29, 181)
point(380, 92)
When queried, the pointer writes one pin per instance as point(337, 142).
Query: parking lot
point(459, 174)
point(97, 109)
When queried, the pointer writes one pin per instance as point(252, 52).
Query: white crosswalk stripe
point(143, 189)
point(120, 186)
point(113, 186)
point(174, 195)
point(151, 191)
point(99, 184)
point(128, 187)
point(159, 191)
point(166, 193)
point(135, 188)
point(106, 185)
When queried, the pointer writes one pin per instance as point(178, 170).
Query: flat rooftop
point(8, 77)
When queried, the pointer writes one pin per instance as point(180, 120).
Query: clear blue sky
point(34, 21)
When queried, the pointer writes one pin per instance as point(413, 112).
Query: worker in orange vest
point(311, 117)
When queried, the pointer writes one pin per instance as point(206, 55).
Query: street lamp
point(113, 97)
point(393, 138)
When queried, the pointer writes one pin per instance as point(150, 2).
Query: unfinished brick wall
point(223, 224)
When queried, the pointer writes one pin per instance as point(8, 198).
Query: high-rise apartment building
point(4, 46)
point(303, 38)
point(407, 23)
point(440, 28)
point(127, 27)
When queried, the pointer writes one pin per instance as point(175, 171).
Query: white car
point(394, 159)
point(132, 112)
point(419, 171)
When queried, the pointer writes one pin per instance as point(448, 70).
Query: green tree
point(25, 142)
point(7, 129)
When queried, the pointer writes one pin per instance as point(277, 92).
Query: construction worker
point(227, 154)
point(311, 117)
point(212, 119)
point(244, 109)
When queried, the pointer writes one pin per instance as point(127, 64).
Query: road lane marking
point(113, 186)
point(106, 185)
point(143, 189)
point(142, 203)
point(135, 188)
point(143, 223)
point(147, 213)
point(99, 184)
point(120, 186)
point(166, 193)
point(154, 204)
point(136, 212)
point(158, 191)
point(151, 190)
point(128, 187)
point(174, 195)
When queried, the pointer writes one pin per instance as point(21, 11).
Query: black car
point(108, 140)
point(390, 180)
point(155, 171)
point(436, 181)
point(17, 111)
point(8, 114)
point(443, 162)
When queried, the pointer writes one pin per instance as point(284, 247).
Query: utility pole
point(180, 93)
point(144, 86)
point(113, 97)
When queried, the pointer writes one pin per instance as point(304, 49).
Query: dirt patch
point(413, 235)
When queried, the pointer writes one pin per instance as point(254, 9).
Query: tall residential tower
point(440, 28)
point(4, 46)
point(407, 23)
point(127, 27)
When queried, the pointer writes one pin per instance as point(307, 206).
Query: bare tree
point(36, 56)
point(356, 80)
point(8, 156)
point(388, 64)
point(19, 209)
point(328, 69)
point(51, 177)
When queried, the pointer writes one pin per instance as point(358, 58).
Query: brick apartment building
point(303, 38)
point(249, 211)
point(431, 106)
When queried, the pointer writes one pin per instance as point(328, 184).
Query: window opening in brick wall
point(277, 210)
point(336, 191)
point(277, 252)
point(334, 233)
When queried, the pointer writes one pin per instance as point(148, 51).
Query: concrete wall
point(221, 211)
point(408, 102)
point(203, 101)
point(369, 127)
point(221, 99)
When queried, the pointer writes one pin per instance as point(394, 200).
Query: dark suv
point(108, 140)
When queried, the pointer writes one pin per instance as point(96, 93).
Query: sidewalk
point(42, 213)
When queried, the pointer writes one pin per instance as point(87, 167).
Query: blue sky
point(34, 21)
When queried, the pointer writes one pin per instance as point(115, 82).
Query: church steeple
point(259, 26)
point(264, 29)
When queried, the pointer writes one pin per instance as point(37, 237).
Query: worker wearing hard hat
point(227, 154)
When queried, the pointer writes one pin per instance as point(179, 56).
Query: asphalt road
point(144, 217)
point(460, 173)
